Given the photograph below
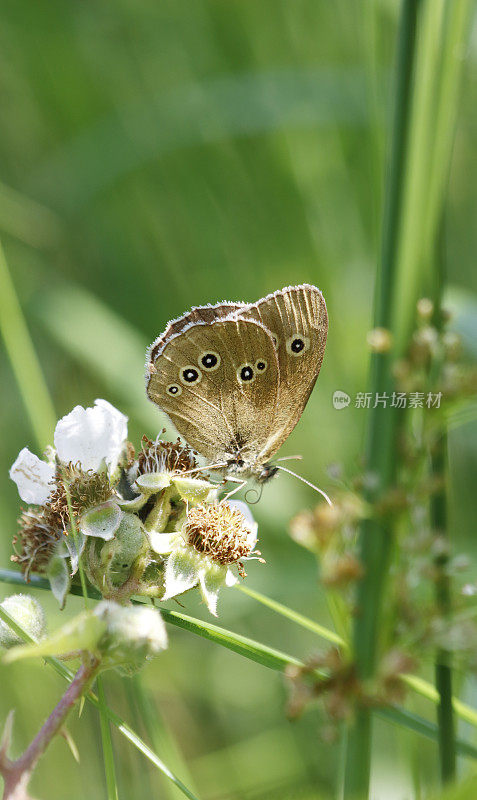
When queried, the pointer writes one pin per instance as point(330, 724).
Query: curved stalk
point(17, 773)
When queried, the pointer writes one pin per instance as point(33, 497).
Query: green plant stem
point(398, 716)
point(294, 616)
point(108, 754)
point(157, 732)
point(74, 533)
point(376, 537)
point(25, 366)
point(439, 525)
point(257, 651)
point(114, 718)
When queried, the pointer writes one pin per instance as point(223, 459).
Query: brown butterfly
point(234, 378)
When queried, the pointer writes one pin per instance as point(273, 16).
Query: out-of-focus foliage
point(159, 155)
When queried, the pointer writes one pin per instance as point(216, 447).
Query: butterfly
point(234, 378)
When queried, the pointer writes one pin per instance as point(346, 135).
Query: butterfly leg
point(241, 484)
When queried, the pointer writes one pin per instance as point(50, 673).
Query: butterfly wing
point(197, 314)
point(219, 384)
point(298, 322)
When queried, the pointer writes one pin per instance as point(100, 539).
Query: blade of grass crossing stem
point(413, 682)
point(227, 639)
point(116, 720)
point(394, 714)
point(25, 366)
point(375, 539)
point(158, 733)
point(294, 616)
point(108, 754)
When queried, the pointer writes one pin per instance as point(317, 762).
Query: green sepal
point(101, 521)
point(58, 574)
point(152, 482)
point(194, 490)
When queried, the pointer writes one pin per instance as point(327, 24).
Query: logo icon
point(341, 399)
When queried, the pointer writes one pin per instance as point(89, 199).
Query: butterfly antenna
point(303, 480)
point(204, 468)
point(290, 458)
point(256, 491)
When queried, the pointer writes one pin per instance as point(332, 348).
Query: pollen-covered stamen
point(159, 456)
point(220, 532)
point(35, 542)
point(77, 490)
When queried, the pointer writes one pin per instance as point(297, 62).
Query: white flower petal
point(91, 435)
point(230, 578)
point(33, 477)
point(182, 572)
point(252, 526)
point(211, 579)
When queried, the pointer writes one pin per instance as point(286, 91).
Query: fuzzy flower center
point(162, 456)
point(34, 543)
point(219, 531)
point(77, 490)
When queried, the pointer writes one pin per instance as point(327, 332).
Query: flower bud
point(123, 637)
point(28, 613)
point(119, 554)
point(379, 340)
point(134, 634)
point(425, 308)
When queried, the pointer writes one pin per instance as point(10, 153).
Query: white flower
point(214, 541)
point(89, 436)
point(33, 477)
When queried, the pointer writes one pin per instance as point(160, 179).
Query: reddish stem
point(17, 773)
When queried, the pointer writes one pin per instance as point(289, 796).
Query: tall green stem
point(439, 525)
point(376, 536)
point(443, 671)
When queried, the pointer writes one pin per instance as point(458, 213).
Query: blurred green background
point(156, 155)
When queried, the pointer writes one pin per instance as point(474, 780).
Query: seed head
point(83, 489)
point(35, 542)
point(219, 531)
point(379, 340)
point(162, 456)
